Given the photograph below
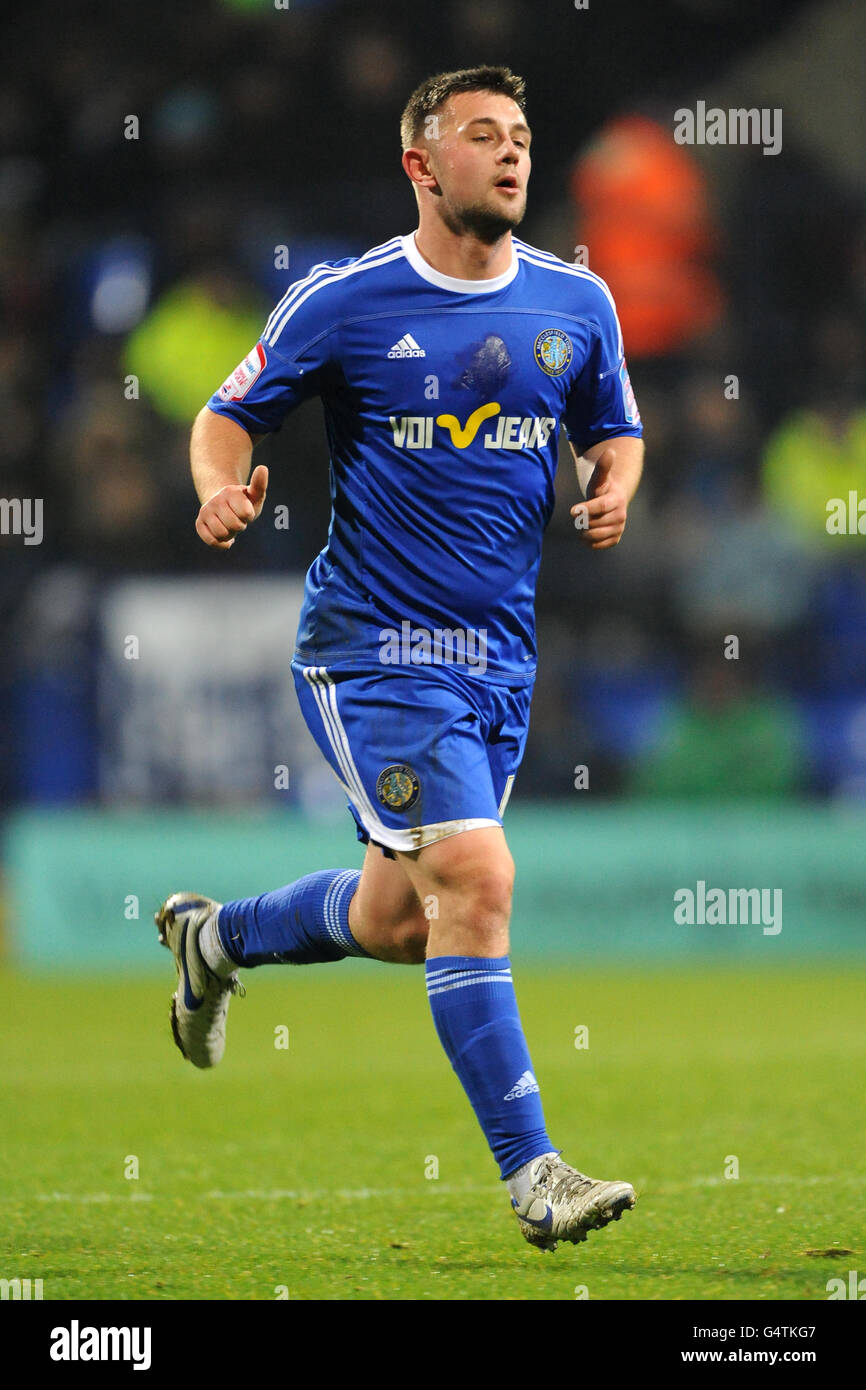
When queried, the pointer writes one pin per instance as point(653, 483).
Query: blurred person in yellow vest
point(814, 472)
point(181, 348)
point(813, 469)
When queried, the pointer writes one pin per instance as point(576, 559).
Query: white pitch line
point(358, 1194)
point(258, 1194)
point(813, 1181)
point(90, 1197)
point(366, 1194)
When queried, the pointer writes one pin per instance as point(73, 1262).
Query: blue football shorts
point(421, 755)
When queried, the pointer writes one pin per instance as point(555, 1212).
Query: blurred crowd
point(165, 173)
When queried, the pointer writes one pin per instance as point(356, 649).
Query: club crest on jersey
point(553, 351)
point(236, 386)
point(398, 787)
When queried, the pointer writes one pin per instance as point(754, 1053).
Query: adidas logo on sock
point(523, 1086)
point(407, 347)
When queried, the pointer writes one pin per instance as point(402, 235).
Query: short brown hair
point(432, 95)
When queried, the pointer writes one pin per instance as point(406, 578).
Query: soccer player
point(445, 360)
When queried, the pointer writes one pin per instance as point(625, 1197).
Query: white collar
point(448, 282)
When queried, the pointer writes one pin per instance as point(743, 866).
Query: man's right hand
point(231, 510)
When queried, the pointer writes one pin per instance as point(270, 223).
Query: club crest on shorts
point(398, 787)
point(553, 351)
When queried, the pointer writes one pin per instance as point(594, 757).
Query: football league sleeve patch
point(272, 381)
point(262, 390)
point(236, 386)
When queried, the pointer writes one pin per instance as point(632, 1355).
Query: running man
point(445, 360)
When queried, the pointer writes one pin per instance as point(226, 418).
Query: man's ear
point(416, 163)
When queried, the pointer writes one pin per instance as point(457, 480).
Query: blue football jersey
point(442, 400)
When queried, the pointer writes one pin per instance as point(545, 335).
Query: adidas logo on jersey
point(523, 1086)
point(407, 347)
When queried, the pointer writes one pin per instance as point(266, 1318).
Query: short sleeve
point(601, 403)
point(290, 362)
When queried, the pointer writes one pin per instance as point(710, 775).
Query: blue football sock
point(301, 924)
point(475, 1012)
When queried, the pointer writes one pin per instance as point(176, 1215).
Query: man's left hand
point(601, 518)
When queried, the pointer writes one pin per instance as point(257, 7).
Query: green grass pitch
point(307, 1171)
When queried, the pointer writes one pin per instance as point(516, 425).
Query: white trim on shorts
point(414, 837)
point(509, 783)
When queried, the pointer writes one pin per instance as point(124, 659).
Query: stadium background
point(164, 174)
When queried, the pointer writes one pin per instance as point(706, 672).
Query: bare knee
point(483, 898)
point(470, 895)
point(483, 885)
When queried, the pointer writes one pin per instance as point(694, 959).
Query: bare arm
point(220, 453)
point(609, 487)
